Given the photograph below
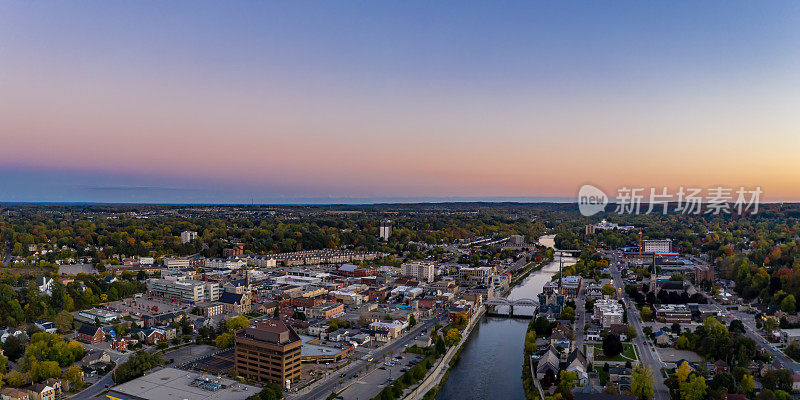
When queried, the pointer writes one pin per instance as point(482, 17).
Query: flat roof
point(175, 384)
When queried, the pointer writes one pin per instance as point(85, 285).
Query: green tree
point(412, 320)
point(748, 384)
point(41, 370)
point(566, 381)
point(63, 321)
point(611, 345)
point(568, 313)
point(694, 389)
point(224, 340)
point(788, 304)
point(236, 323)
point(74, 376)
point(608, 290)
point(642, 382)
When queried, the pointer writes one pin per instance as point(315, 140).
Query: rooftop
point(172, 383)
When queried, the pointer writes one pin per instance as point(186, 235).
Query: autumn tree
point(642, 382)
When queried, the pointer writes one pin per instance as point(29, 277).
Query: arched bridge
point(502, 301)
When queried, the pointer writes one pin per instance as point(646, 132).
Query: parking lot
point(378, 376)
point(150, 305)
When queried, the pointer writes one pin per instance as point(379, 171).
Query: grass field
point(628, 353)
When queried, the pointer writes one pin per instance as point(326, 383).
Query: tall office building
point(386, 230)
point(658, 246)
point(268, 351)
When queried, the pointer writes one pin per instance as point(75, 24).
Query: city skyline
point(207, 102)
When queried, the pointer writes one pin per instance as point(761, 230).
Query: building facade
point(268, 352)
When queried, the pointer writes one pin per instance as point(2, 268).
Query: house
point(576, 362)
point(557, 339)
point(91, 333)
point(57, 386)
point(95, 357)
point(46, 326)
point(110, 279)
point(720, 366)
point(795, 382)
point(620, 330)
point(119, 344)
point(4, 334)
point(549, 362)
point(9, 393)
point(40, 391)
point(663, 339)
point(45, 285)
point(155, 335)
point(592, 335)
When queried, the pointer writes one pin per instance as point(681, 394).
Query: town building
point(176, 384)
point(422, 270)
point(188, 236)
point(385, 230)
point(608, 312)
point(325, 310)
point(187, 290)
point(268, 351)
point(91, 333)
point(571, 285)
point(96, 315)
point(658, 246)
point(210, 309)
point(672, 313)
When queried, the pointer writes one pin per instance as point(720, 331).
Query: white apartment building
point(422, 270)
point(188, 236)
point(658, 246)
point(224, 263)
point(187, 290)
point(258, 260)
point(475, 274)
point(385, 230)
point(176, 262)
point(147, 260)
point(608, 312)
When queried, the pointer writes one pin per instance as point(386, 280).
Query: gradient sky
point(240, 101)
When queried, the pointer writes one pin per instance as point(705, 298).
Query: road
point(327, 385)
point(647, 355)
point(103, 383)
point(752, 332)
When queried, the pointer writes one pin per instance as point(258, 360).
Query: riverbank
point(428, 387)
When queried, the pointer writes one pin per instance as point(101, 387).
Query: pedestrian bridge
point(495, 302)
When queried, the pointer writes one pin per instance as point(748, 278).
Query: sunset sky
point(343, 101)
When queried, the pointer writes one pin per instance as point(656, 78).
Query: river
point(490, 365)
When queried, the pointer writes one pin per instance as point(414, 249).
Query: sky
point(314, 102)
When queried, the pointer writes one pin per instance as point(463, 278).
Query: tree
point(682, 373)
point(224, 340)
point(63, 321)
point(566, 381)
point(568, 313)
point(453, 337)
point(770, 324)
point(412, 320)
point(737, 326)
point(608, 290)
point(612, 346)
point(694, 389)
point(682, 343)
point(461, 320)
point(766, 394)
point(642, 382)
point(15, 378)
point(647, 314)
point(236, 323)
point(41, 370)
point(74, 375)
point(788, 304)
point(748, 384)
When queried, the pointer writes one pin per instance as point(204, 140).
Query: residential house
point(91, 333)
point(9, 393)
point(94, 357)
point(40, 391)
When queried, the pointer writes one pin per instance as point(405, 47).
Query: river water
point(490, 365)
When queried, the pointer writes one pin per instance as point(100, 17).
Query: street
point(324, 387)
point(647, 355)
